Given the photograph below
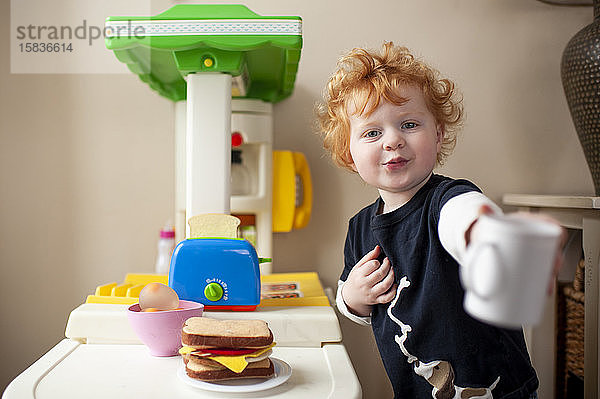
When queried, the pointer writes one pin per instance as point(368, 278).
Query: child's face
point(395, 148)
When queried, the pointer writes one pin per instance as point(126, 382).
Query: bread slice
point(204, 372)
point(204, 332)
point(213, 225)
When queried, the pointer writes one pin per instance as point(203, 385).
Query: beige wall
point(86, 161)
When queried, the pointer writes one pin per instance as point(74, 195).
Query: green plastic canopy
point(261, 53)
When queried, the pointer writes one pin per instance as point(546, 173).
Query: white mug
point(507, 268)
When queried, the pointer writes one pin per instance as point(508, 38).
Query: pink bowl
point(161, 331)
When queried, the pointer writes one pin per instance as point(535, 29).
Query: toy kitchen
point(223, 66)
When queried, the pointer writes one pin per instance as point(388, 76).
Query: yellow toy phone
point(292, 191)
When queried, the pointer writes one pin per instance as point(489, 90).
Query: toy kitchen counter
point(102, 357)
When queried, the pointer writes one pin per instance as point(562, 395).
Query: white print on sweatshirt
point(438, 373)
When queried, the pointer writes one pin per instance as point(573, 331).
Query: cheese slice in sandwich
point(234, 362)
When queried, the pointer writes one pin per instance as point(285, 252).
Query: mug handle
point(484, 278)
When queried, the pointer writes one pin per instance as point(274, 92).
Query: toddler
point(390, 117)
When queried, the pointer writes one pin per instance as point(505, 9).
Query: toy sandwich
point(215, 350)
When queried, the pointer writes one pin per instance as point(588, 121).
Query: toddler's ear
point(350, 162)
point(440, 132)
point(440, 138)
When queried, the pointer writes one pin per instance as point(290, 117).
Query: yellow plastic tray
point(127, 293)
point(308, 285)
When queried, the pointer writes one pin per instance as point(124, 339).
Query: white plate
point(283, 371)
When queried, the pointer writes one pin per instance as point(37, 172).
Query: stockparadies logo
point(52, 33)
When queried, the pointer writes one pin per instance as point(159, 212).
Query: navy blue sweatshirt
point(427, 342)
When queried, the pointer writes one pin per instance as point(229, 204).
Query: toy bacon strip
point(227, 352)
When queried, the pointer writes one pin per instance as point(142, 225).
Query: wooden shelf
point(583, 213)
point(552, 201)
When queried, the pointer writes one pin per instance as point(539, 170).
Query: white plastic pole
point(180, 128)
point(208, 144)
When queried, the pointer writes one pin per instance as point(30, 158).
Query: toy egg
point(157, 296)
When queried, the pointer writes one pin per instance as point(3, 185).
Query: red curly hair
point(363, 78)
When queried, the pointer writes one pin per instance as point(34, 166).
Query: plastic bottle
point(240, 177)
point(166, 245)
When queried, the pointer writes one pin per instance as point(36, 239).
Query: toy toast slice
point(213, 225)
point(261, 369)
point(203, 332)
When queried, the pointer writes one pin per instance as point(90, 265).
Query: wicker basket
point(574, 331)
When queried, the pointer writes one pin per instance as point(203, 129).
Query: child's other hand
point(559, 256)
point(369, 283)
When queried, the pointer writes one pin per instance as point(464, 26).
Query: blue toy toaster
point(221, 273)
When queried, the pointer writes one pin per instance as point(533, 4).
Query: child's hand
point(369, 283)
point(559, 256)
